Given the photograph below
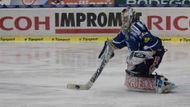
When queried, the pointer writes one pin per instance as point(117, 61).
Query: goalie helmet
point(128, 17)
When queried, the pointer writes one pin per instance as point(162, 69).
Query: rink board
point(90, 21)
point(77, 38)
point(92, 24)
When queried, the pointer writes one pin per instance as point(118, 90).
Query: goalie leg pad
point(139, 83)
point(154, 83)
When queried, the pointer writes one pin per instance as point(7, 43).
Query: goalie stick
point(106, 54)
point(94, 77)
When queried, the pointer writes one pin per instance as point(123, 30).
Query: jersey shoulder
point(138, 27)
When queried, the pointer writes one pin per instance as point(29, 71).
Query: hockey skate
point(164, 86)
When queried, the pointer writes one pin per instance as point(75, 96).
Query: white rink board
point(84, 21)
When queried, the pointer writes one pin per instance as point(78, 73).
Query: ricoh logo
point(180, 23)
point(24, 23)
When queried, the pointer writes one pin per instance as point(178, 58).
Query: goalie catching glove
point(107, 51)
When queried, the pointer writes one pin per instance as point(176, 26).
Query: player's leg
point(139, 76)
point(155, 83)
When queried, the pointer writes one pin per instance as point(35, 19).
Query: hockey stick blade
point(94, 77)
point(89, 84)
point(86, 86)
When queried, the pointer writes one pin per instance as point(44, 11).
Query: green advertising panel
point(150, 2)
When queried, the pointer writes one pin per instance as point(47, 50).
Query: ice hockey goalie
point(145, 53)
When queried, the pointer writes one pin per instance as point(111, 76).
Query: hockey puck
point(77, 86)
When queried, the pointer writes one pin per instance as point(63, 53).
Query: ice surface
point(36, 74)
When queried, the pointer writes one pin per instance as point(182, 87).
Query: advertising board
point(6, 2)
point(83, 2)
point(29, 2)
point(86, 21)
point(149, 2)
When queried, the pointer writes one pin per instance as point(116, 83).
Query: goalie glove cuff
point(107, 51)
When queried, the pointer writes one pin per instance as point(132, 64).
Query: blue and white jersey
point(138, 38)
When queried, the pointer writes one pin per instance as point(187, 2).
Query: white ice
point(36, 74)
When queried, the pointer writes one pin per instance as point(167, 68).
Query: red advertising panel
point(28, 2)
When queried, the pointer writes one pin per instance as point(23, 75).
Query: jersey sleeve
point(119, 41)
point(152, 43)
